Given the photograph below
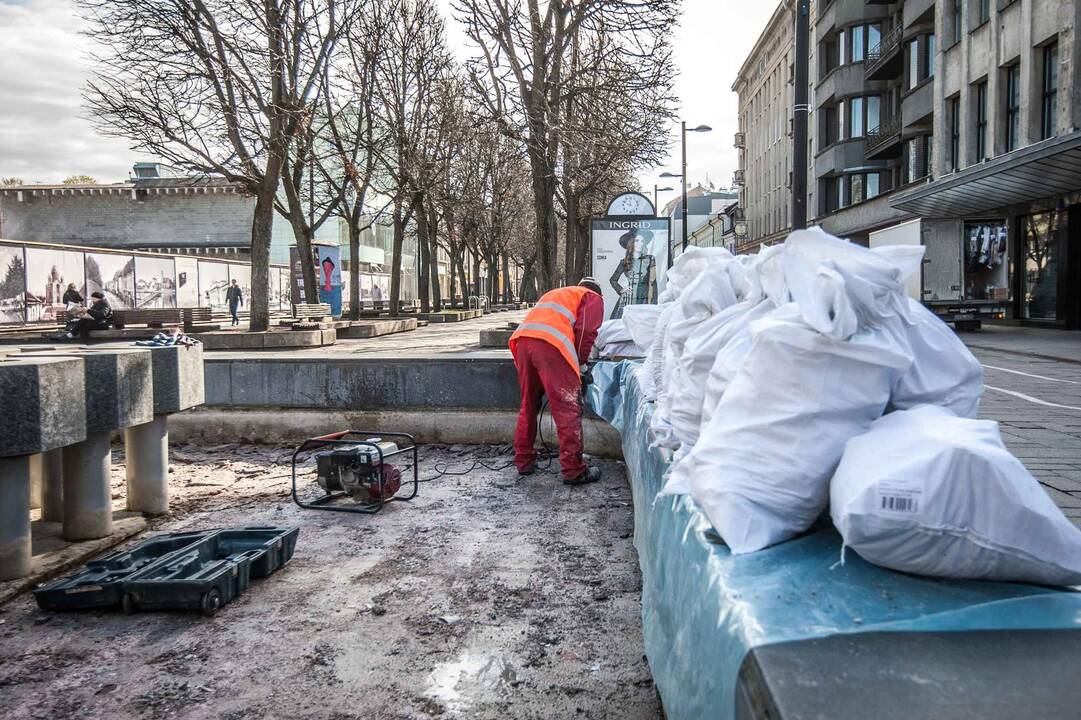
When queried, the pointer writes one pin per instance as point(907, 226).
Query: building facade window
point(855, 114)
point(863, 186)
point(956, 14)
point(1013, 107)
point(983, 11)
point(921, 59)
point(917, 158)
point(953, 117)
point(1049, 104)
point(981, 121)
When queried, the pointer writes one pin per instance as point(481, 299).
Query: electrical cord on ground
point(545, 456)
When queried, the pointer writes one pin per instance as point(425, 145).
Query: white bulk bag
point(944, 372)
point(641, 323)
point(930, 493)
point(763, 462)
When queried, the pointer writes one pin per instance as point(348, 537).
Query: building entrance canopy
point(1048, 168)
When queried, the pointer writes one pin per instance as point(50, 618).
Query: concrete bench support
point(52, 486)
point(88, 505)
point(147, 470)
point(37, 476)
point(15, 554)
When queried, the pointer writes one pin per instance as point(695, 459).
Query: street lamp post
point(683, 130)
point(655, 191)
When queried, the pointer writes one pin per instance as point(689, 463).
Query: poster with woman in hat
point(635, 276)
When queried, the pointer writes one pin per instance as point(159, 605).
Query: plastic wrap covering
point(703, 608)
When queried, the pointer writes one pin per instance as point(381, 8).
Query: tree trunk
point(506, 278)
point(354, 269)
point(476, 274)
point(424, 250)
point(433, 258)
point(303, 237)
point(544, 239)
point(396, 261)
point(261, 228)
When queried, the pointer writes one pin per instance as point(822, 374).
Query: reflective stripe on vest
point(559, 309)
point(552, 320)
point(559, 337)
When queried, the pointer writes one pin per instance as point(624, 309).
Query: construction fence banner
point(34, 278)
point(630, 259)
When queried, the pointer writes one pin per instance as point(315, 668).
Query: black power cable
point(546, 455)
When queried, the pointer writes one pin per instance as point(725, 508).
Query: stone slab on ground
point(53, 555)
point(119, 386)
point(495, 337)
point(44, 404)
point(246, 340)
point(449, 316)
point(361, 329)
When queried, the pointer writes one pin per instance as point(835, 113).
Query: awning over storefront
point(1048, 168)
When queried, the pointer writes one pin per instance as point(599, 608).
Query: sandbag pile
point(765, 368)
point(614, 341)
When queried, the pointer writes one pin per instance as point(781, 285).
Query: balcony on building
point(884, 142)
point(885, 61)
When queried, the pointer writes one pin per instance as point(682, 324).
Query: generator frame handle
point(338, 438)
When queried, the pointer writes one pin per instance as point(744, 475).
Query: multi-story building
point(703, 204)
point(765, 89)
point(1005, 152)
point(962, 114)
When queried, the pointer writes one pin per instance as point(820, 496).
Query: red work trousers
point(543, 370)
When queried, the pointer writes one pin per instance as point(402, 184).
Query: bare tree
point(412, 65)
point(531, 68)
point(218, 87)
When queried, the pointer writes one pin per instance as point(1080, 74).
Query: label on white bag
point(898, 498)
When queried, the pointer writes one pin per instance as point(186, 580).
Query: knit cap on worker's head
point(588, 282)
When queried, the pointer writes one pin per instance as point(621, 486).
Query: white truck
point(964, 278)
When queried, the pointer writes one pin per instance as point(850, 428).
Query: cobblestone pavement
point(1037, 402)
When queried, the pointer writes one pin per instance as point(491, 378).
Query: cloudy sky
point(44, 136)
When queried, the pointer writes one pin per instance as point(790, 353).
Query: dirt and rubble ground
point(487, 596)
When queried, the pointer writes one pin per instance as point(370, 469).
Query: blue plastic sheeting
point(703, 608)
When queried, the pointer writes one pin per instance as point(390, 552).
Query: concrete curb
point(214, 425)
point(1024, 353)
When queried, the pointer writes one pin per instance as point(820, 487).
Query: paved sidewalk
point(1064, 345)
point(1037, 402)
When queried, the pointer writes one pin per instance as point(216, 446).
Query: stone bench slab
point(44, 404)
point(119, 386)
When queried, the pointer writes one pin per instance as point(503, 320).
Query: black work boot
point(591, 475)
point(529, 470)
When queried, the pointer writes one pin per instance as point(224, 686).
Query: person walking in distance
point(235, 299)
point(550, 349)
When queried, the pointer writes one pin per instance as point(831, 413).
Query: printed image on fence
point(12, 284)
point(155, 282)
point(35, 279)
point(114, 275)
point(48, 274)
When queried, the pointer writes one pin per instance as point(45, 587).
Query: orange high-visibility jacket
point(552, 320)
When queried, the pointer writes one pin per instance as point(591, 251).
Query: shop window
point(1013, 107)
point(1049, 104)
point(1041, 238)
point(986, 260)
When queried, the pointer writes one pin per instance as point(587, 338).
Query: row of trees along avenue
point(358, 110)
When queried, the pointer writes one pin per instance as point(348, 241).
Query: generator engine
point(358, 469)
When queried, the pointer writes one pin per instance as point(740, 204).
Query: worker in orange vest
point(550, 349)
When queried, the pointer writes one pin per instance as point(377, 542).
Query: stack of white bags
point(765, 368)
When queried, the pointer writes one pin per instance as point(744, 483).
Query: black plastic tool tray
point(183, 571)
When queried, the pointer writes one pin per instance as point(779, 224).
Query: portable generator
point(354, 464)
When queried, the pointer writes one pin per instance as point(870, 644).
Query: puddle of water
point(459, 684)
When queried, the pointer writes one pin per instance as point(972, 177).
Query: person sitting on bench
point(98, 317)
